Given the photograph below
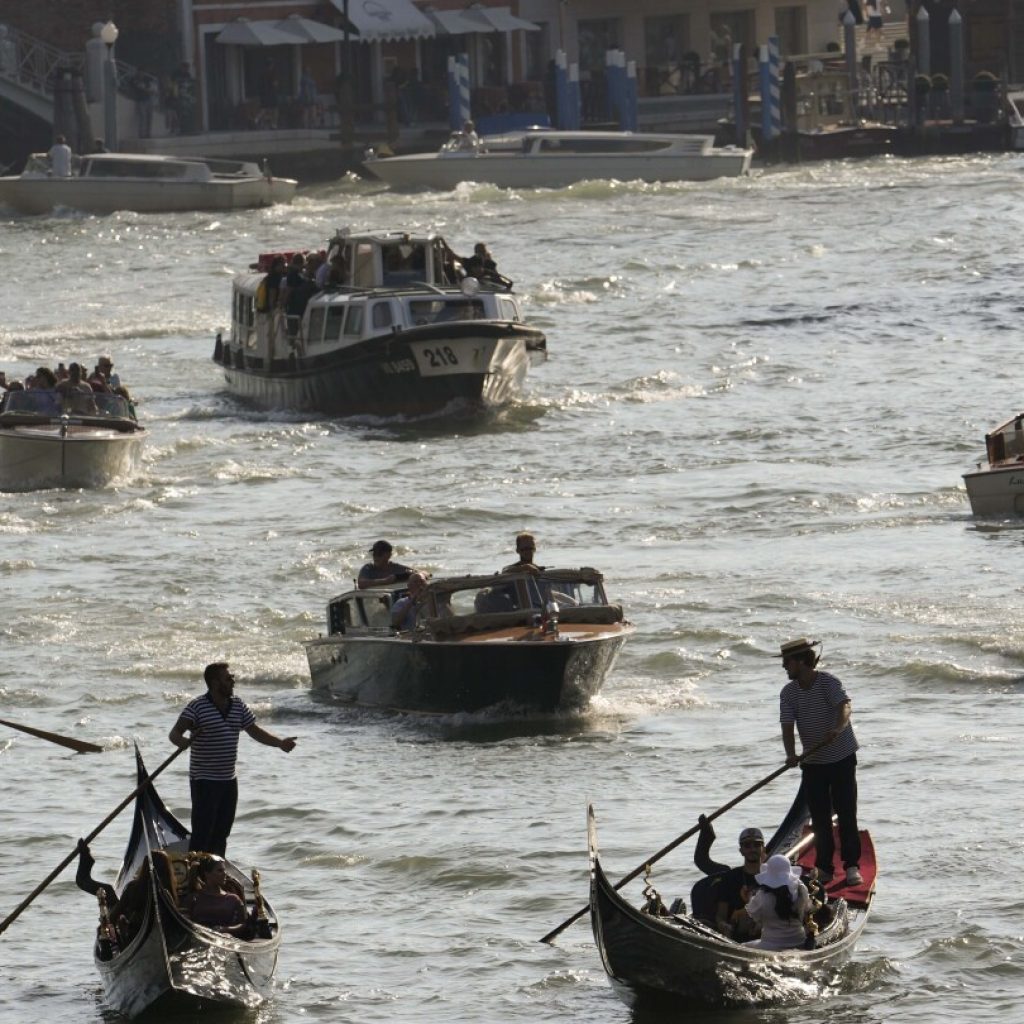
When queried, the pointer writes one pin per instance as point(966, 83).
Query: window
point(315, 328)
point(354, 322)
point(729, 28)
point(382, 314)
point(666, 39)
point(333, 322)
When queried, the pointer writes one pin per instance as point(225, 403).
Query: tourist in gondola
point(816, 704)
point(779, 906)
point(211, 904)
point(381, 572)
point(733, 889)
point(215, 721)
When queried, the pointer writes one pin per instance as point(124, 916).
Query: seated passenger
point(381, 572)
point(734, 888)
point(405, 609)
point(467, 139)
point(212, 905)
point(780, 905)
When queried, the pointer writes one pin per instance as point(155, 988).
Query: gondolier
point(816, 704)
point(215, 720)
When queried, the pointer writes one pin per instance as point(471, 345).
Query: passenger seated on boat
point(212, 905)
point(780, 905)
point(295, 293)
point(733, 888)
point(495, 599)
point(467, 139)
point(405, 609)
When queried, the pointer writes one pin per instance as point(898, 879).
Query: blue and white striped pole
point(739, 93)
point(462, 68)
point(453, 95)
point(771, 106)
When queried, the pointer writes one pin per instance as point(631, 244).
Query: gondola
point(657, 958)
point(161, 957)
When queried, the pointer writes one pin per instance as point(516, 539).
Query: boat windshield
point(437, 311)
point(565, 593)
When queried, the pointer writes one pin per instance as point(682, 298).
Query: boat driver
point(733, 888)
point(526, 548)
point(381, 572)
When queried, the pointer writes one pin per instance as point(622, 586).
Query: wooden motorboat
point(540, 642)
point(160, 956)
point(145, 183)
point(77, 440)
point(554, 159)
point(996, 487)
point(654, 957)
point(403, 333)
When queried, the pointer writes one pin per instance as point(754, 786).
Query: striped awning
point(479, 19)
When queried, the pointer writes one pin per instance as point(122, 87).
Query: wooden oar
point(16, 913)
point(65, 741)
point(686, 835)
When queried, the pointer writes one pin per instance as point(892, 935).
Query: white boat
point(997, 488)
point(400, 333)
point(77, 441)
point(143, 182)
point(555, 159)
point(538, 642)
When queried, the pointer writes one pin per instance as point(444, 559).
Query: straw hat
point(779, 872)
point(801, 646)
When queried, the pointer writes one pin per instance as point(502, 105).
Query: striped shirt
point(215, 749)
point(815, 711)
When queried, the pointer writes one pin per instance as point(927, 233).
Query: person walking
point(215, 720)
point(815, 704)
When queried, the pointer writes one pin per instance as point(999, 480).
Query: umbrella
point(306, 30)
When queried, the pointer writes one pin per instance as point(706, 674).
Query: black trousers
point(828, 788)
point(213, 813)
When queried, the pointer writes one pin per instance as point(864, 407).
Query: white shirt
point(60, 160)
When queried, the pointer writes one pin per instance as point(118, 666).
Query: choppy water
point(760, 398)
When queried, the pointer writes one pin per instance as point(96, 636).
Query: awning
point(479, 19)
point(378, 20)
point(243, 32)
point(305, 30)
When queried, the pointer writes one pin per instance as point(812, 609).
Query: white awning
point(386, 19)
point(503, 19)
point(243, 32)
point(305, 30)
point(479, 19)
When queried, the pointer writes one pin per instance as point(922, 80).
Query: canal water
point(760, 398)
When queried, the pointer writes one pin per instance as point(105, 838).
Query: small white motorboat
point(997, 488)
point(77, 440)
point(1015, 119)
point(554, 159)
point(144, 183)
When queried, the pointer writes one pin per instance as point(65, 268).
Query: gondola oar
point(16, 913)
point(686, 835)
point(65, 741)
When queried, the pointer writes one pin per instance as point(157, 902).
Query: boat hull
point(41, 195)
point(35, 457)
point(555, 674)
point(513, 170)
point(997, 491)
point(836, 143)
point(412, 373)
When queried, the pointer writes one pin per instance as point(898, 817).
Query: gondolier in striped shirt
point(816, 704)
point(215, 720)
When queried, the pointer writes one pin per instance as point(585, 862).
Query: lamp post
point(109, 36)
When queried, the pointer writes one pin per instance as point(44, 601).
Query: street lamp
point(109, 36)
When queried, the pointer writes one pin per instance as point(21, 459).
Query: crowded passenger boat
point(67, 428)
point(382, 323)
